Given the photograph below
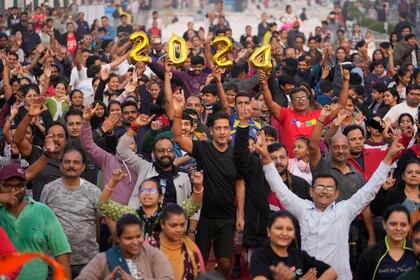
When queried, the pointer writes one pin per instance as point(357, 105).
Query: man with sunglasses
point(31, 226)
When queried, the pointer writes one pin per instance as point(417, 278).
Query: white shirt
point(398, 109)
point(77, 76)
point(325, 234)
point(85, 86)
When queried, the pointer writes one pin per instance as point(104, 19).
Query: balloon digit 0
point(177, 60)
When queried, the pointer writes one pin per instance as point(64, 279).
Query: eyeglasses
point(163, 150)
point(14, 186)
point(151, 191)
point(300, 98)
point(320, 188)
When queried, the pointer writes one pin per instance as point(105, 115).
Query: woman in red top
point(39, 18)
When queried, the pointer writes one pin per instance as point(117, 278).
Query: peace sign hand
point(390, 181)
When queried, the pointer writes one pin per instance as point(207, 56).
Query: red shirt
point(71, 44)
point(292, 125)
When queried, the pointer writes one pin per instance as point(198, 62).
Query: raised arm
point(185, 143)
point(245, 163)
point(99, 93)
point(133, 161)
point(38, 166)
point(6, 78)
point(25, 148)
point(367, 193)
point(118, 60)
point(335, 125)
point(291, 202)
point(168, 90)
point(391, 64)
point(47, 76)
point(109, 208)
point(38, 53)
point(316, 136)
point(217, 75)
point(207, 52)
point(198, 187)
point(272, 106)
point(8, 123)
point(344, 93)
point(98, 155)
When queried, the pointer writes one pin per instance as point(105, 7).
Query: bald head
point(339, 149)
point(339, 139)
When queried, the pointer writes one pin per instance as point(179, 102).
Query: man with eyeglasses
point(30, 225)
point(325, 223)
point(176, 185)
point(300, 119)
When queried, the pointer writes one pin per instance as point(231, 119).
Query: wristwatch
point(192, 231)
point(45, 152)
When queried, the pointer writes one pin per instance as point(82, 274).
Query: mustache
point(71, 169)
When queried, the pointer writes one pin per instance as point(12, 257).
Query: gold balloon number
point(140, 42)
point(224, 46)
point(179, 58)
point(261, 58)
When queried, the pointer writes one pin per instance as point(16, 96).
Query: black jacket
point(383, 199)
point(257, 210)
point(370, 260)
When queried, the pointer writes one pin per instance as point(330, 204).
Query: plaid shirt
point(355, 38)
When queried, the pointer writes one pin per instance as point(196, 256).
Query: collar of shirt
point(312, 206)
point(352, 170)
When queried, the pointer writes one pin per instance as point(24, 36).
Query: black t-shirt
point(166, 181)
point(298, 261)
point(219, 181)
point(390, 269)
point(128, 29)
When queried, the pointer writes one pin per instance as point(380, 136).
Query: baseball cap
point(12, 170)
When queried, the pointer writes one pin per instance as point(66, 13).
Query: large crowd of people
point(122, 169)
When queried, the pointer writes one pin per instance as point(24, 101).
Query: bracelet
point(198, 192)
point(192, 231)
point(134, 127)
point(108, 188)
point(323, 122)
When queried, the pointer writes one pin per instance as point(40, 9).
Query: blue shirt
point(110, 34)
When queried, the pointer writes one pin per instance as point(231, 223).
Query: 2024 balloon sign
point(178, 52)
